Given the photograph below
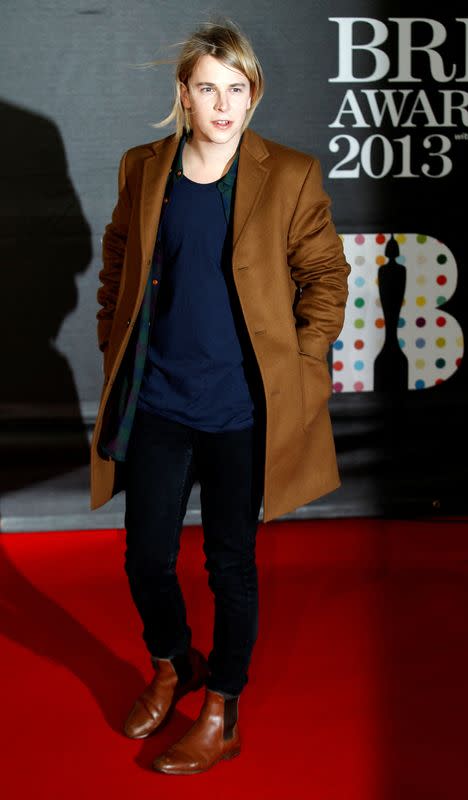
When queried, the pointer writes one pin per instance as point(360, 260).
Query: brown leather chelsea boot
point(158, 700)
point(214, 736)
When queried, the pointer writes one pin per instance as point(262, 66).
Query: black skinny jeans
point(164, 459)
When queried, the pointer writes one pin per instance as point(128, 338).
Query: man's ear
point(184, 95)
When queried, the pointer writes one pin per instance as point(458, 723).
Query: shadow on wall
point(45, 241)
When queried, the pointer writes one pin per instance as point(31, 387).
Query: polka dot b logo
point(395, 335)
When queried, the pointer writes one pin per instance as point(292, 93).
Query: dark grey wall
point(71, 101)
point(69, 87)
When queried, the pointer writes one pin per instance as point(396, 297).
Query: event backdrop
point(378, 91)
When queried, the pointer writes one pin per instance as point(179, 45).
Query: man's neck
point(205, 153)
point(204, 159)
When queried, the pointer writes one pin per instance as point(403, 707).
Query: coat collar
point(251, 141)
point(251, 177)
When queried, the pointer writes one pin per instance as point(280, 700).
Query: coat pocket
point(316, 386)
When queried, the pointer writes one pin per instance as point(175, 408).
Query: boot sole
point(225, 757)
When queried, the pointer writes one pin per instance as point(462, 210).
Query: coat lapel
point(251, 177)
point(155, 173)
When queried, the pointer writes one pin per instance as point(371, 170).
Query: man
point(223, 285)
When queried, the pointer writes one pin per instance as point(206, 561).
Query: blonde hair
point(224, 41)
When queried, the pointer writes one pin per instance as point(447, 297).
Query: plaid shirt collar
point(225, 184)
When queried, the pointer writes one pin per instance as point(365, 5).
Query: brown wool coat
point(283, 238)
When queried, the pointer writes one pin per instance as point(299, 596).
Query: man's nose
point(222, 101)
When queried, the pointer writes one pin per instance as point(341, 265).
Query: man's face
point(216, 94)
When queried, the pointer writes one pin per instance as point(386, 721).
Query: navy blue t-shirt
point(194, 370)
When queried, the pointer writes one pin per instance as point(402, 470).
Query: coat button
point(155, 282)
point(166, 200)
point(179, 173)
point(129, 321)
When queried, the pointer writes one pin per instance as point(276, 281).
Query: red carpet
point(358, 685)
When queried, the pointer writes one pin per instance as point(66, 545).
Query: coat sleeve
point(114, 243)
point(318, 267)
